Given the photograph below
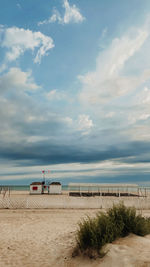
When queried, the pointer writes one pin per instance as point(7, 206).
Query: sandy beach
point(46, 237)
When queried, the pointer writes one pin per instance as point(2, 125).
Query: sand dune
point(47, 237)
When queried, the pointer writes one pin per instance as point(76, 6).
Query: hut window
point(34, 188)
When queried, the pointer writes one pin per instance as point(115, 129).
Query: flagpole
point(43, 171)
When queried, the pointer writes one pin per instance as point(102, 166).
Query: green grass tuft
point(119, 221)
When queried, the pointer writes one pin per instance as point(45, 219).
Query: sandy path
point(46, 238)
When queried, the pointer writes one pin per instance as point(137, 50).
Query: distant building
point(55, 188)
point(37, 188)
point(93, 189)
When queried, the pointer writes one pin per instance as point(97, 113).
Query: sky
point(75, 91)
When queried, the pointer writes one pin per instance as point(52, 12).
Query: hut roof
point(36, 183)
point(55, 183)
point(107, 185)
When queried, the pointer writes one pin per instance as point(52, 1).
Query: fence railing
point(66, 202)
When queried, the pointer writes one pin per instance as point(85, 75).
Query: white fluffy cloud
point(107, 81)
point(140, 107)
point(117, 91)
point(55, 95)
point(18, 40)
point(143, 97)
point(17, 79)
point(72, 14)
point(84, 124)
point(2, 67)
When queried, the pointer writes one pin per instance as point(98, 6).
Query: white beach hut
point(36, 188)
point(55, 188)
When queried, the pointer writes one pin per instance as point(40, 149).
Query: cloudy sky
point(75, 90)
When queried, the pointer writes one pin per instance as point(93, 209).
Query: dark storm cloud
point(43, 153)
point(25, 121)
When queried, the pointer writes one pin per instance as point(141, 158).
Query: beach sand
point(46, 237)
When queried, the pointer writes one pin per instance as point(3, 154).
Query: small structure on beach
point(55, 188)
point(93, 189)
point(37, 188)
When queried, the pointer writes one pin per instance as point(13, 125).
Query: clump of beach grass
point(118, 221)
